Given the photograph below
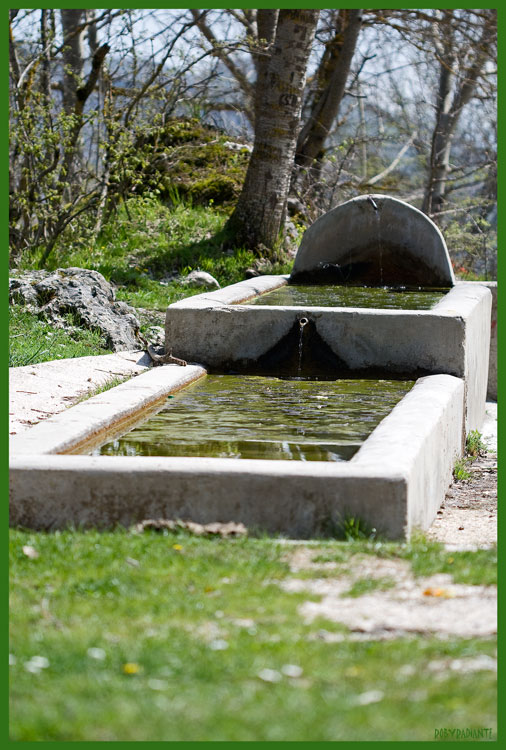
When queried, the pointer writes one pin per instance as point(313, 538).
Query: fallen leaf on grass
point(225, 530)
point(443, 593)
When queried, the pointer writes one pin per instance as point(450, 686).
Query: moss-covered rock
point(187, 160)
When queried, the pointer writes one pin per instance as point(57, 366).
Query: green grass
point(146, 241)
point(368, 585)
point(185, 628)
point(112, 383)
point(141, 247)
point(474, 448)
point(33, 340)
point(460, 471)
point(474, 444)
point(426, 557)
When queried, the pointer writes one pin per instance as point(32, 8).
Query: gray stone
point(83, 293)
point(374, 240)
point(156, 335)
point(201, 278)
point(233, 146)
point(259, 267)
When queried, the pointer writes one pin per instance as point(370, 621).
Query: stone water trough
point(395, 482)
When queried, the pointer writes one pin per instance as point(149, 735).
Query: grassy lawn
point(148, 241)
point(33, 340)
point(156, 637)
point(145, 244)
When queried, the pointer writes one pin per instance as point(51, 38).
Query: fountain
point(228, 330)
point(394, 479)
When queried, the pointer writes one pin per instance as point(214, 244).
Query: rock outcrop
point(83, 293)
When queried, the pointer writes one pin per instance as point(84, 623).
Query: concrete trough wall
point(452, 338)
point(396, 480)
point(492, 362)
point(113, 412)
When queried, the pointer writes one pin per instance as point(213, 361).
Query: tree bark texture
point(332, 76)
point(260, 211)
point(73, 54)
point(452, 97)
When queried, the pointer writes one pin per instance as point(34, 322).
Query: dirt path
point(403, 605)
point(430, 605)
point(467, 518)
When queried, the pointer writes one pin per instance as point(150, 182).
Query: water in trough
point(232, 416)
point(335, 295)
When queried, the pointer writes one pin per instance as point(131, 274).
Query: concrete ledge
point(492, 362)
point(37, 392)
point(116, 409)
point(424, 435)
point(235, 293)
point(383, 485)
point(452, 338)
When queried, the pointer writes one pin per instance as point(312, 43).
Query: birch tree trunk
point(260, 211)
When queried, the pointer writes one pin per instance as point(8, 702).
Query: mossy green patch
point(188, 160)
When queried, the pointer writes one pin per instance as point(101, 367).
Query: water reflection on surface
point(236, 416)
point(332, 295)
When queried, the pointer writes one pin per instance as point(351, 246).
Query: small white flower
point(30, 552)
point(270, 675)
point(474, 664)
point(407, 670)
point(157, 684)
point(96, 653)
point(36, 663)
point(292, 670)
point(40, 661)
point(218, 645)
point(371, 696)
point(32, 668)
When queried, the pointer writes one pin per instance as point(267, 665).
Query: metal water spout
point(373, 202)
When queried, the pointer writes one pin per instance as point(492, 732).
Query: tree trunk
point(451, 99)
point(73, 54)
point(260, 211)
point(267, 19)
point(332, 74)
